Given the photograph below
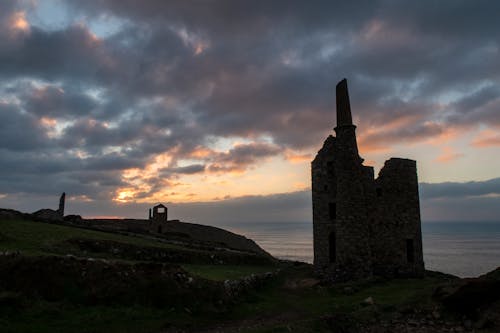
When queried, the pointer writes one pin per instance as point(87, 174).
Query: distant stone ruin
point(158, 219)
point(160, 213)
point(62, 200)
point(47, 214)
point(363, 226)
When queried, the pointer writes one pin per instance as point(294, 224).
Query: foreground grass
point(226, 272)
point(306, 302)
point(36, 238)
point(41, 317)
point(275, 308)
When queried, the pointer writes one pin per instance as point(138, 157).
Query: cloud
point(80, 108)
point(448, 155)
point(487, 138)
point(20, 132)
point(242, 156)
point(462, 190)
point(53, 101)
point(186, 170)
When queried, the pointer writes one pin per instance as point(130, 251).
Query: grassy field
point(36, 238)
point(292, 301)
point(225, 272)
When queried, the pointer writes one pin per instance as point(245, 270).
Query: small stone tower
point(363, 226)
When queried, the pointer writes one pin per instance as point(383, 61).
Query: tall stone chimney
point(346, 130)
point(344, 116)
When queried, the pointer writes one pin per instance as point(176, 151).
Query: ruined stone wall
point(324, 191)
point(353, 246)
point(396, 231)
point(342, 248)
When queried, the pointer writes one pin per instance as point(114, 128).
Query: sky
point(216, 108)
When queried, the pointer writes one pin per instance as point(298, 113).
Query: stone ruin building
point(363, 226)
point(158, 217)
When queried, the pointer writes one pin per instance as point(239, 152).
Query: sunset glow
point(18, 22)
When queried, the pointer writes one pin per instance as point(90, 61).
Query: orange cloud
point(379, 138)
point(366, 145)
point(125, 195)
point(48, 122)
point(487, 138)
point(18, 22)
point(448, 155)
point(444, 135)
point(301, 186)
point(201, 152)
point(293, 157)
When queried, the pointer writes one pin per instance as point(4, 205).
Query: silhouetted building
point(160, 216)
point(363, 226)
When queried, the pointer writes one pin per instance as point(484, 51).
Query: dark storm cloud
point(467, 201)
point(20, 131)
point(53, 101)
point(97, 185)
point(6, 8)
point(54, 55)
point(258, 92)
point(242, 156)
point(481, 106)
point(463, 190)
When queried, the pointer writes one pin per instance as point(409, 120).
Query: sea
point(464, 249)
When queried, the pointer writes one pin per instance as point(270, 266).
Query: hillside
point(57, 278)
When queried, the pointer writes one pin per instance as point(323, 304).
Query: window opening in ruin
point(160, 210)
point(330, 168)
point(332, 247)
point(379, 192)
point(332, 210)
point(159, 229)
point(325, 187)
point(410, 251)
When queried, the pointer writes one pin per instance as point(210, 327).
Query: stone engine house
point(363, 226)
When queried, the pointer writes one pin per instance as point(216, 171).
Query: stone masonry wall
point(324, 191)
point(397, 220)
point(352, 237)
